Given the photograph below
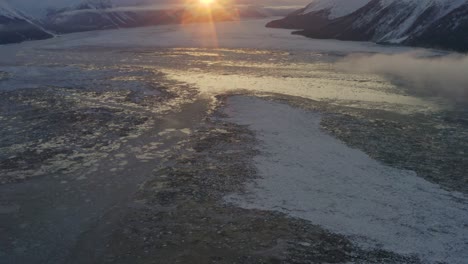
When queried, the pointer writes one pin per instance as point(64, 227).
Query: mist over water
point(441, 76)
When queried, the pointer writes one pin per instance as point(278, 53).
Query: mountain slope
point(17, 27)
point(335, 8)
point(419, 23)
point(449, 32)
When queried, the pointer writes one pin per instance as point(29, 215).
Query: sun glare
point(208, 12)
point(207, 2)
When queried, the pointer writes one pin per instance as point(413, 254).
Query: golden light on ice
point(208, 12)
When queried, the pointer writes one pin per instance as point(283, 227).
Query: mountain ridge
point(402, 22)
point(17, 27)
point(71, 16)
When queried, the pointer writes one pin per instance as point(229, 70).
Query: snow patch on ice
point(308, 174)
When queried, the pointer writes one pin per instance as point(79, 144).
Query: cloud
point(442, 75)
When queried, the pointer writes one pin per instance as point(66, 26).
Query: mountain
point(17, 27)
point(22, 20)
point(425, 23)
point(67, 16)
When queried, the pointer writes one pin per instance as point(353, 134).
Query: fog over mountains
point(426, 23)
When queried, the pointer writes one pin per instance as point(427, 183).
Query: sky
point(38, 8)
point(279, 2)
point(68, 2)
point(300, 3)
point(256, 2)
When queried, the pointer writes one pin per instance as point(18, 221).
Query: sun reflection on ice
point(208, 12)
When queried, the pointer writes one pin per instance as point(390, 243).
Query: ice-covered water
point(317, 83)
point(218, 58)
point(308, 174)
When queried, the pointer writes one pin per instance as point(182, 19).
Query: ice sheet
point(234, 34)
point(308, 174)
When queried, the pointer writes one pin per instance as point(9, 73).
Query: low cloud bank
point(443, 75)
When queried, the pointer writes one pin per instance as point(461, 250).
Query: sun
point(207, 2)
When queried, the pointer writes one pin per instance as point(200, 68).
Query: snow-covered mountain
point(22, 20)
point(30, 19)
point(427, 23)
point(15, 26)
point(58, 16)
